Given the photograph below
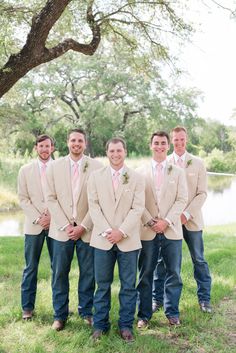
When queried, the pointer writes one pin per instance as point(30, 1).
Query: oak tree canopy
point(56, 26)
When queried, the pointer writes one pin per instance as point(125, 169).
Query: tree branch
point(69, 102)
point(35, 52)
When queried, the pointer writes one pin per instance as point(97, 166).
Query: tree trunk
point(35, 53)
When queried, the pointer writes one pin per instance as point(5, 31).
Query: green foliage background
point(130, 87)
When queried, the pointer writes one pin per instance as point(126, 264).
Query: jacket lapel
point(165, 181)
point(151, 181)
point(171, 159)
point(188, 160)
point(82, 176)
point(121, 186)
point(37, 177)
point(109, 186)
point(67, 174)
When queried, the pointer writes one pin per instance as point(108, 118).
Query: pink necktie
point(43, 177)
point(159, 176)
point(180, 162)
point(75, 175)
point(115, 180)
point(75, 186)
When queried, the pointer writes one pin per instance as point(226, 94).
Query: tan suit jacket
point(60, 200)
point(31, 197)
point(121, 210)
point(196, 177)
point(171, 203)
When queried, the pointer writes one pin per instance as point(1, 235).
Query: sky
point(211, 63)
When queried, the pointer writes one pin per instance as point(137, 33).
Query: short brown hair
point(162, 134)
point(79, 130)
point(178, 129)
point(42, 138)
point(116, 140)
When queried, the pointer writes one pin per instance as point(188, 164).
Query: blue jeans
point(104, 272)
point(33, 250)
point(63, 253)
point(201, 270)
point(202, 275)
point(171, 252)
point(158, 281)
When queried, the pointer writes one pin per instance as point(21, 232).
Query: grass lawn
point(199, 332)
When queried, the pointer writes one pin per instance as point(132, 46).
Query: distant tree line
point(119, 90)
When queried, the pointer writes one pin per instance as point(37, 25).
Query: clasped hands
point(44, 220)
point(114, 236)
point(74, 232)
point(158, 225)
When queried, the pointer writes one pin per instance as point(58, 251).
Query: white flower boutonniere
point(125, 178)
point(85, 167)
point(169, 169)
point(190, 161)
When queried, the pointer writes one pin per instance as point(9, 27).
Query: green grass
point(198, 333)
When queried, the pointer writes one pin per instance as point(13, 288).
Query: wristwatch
point(103, 234)
point(151, 223)
point(36, 220)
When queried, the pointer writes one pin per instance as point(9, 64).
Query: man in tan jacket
point(161, 231)
point(191, 219)
point(70, 228)
point(116, 203)
point(31, 192)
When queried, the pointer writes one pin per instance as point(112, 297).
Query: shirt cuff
point(82, 225)
point(36, 220)
point(150, 223)
point(123, 233)
point(64, 227)
point(104, 234)
point(168, 221)
point(187, 215)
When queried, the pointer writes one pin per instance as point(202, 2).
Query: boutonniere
point(169, 169)
point(190, 161)
point(85, 166)
point(125, 177)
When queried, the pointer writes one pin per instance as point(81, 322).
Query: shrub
point(220, 162)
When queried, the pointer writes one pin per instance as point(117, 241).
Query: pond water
point(11, 223)
point(219, 207)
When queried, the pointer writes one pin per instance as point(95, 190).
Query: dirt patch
point(219, 335)
point(228, 307)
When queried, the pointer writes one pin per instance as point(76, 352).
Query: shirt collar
point(113, 171)
point(72, 163)
point(40, 163)
point(155, 163)
point(176, 157)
